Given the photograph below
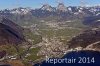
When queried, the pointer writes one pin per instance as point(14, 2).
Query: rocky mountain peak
point(46, 7)
point(61, 7)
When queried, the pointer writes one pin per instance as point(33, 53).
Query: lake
point(81, 58)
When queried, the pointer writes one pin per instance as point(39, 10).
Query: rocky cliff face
point(93, 21)
point(10, 33)
point(47, 7)
point(89, 39)
point(2, 54)
point(61, 7)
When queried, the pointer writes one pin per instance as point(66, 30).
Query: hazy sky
point(38, 3)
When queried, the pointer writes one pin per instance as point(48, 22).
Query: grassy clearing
point(63, 34)
point(33, 54)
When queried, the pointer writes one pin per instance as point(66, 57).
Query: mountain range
point(48, 27)
point(48, 10)
point(56, 14)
